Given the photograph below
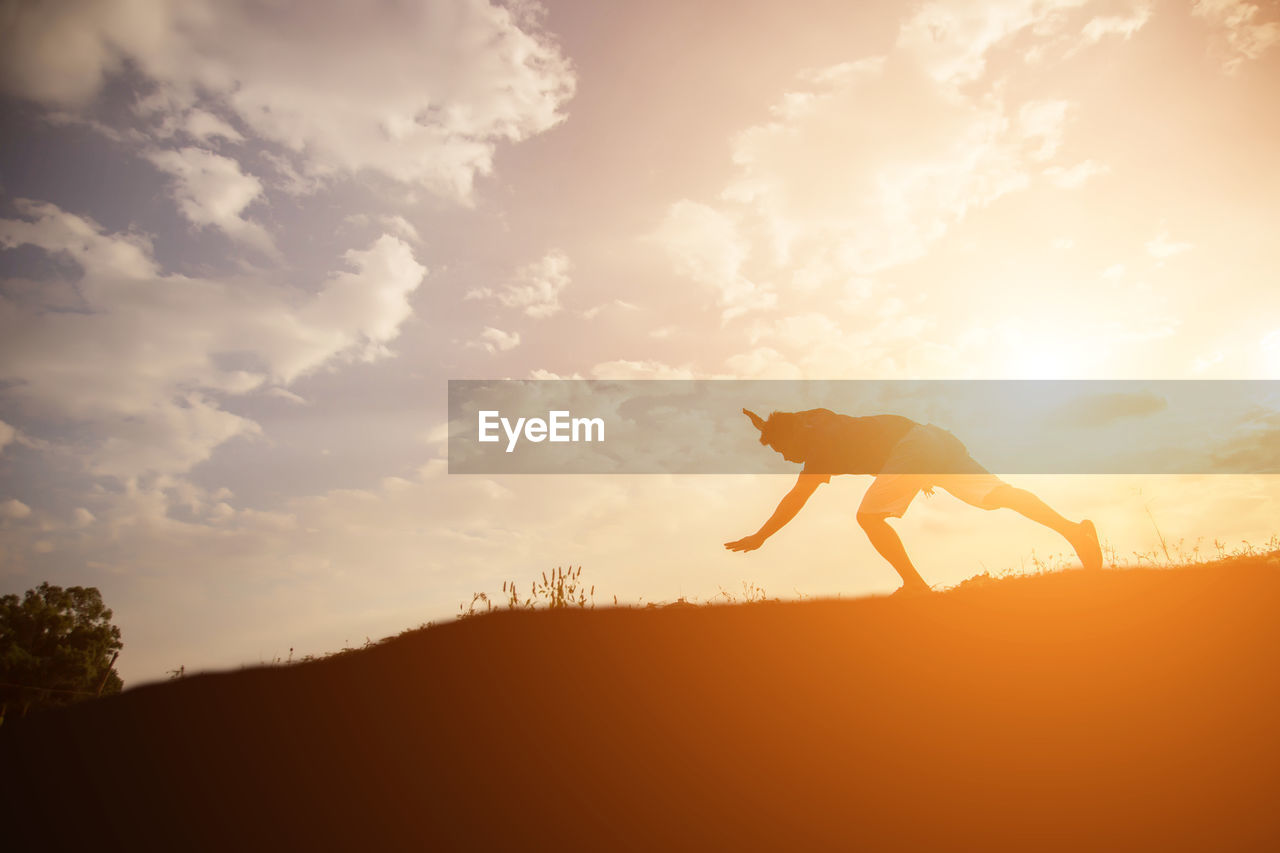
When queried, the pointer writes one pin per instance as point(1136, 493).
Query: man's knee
point(871, 520)
point(1001, 497)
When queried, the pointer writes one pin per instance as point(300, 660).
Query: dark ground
point(1134, 709)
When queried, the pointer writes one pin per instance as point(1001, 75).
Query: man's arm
point(790, 504)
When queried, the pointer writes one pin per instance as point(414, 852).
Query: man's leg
point(889, 496)
point(889, 545)
point(1082, 537)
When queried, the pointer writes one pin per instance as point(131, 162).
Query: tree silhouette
point(56, 646)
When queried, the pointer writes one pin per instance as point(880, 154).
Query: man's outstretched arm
point(787, 509)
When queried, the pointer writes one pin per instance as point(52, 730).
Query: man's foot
point(911, 590)
point(1085, 541)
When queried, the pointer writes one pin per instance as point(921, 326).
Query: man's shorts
point(926, 457)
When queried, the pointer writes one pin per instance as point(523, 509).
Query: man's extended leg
point(1082, 537)
point(889, 545)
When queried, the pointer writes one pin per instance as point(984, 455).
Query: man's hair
point(785, 428)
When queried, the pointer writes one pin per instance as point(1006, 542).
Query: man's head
point(786, 432)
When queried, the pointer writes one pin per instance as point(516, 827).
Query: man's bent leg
point(1082, 537)
point(1025, 503)
point(889, 545)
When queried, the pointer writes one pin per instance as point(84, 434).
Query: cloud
point(7, 434)
point(211, 190)
point(496, 340)
point(1202, 363)
point(1099, 410)
point(891, 341)
point(1043, 121)
point(1161, 247)
point(205, 126)
point(951, 40)
point(14, 509)
point(705, 245)
point(392, 223)
point(1123, 26)
point(1072, 177)
point(535, 288)
point(762, 363)
point(60, 53)
point(420, 92)
point(1255, 450)
point(401, 227)
point(595, 310)
point(149, 355)
point(286, 394)
point(623, 369)
point(1246, 37)
point(865, 168)
point(860, 170)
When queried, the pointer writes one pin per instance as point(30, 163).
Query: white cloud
point(285, 394)
point(543, 373)
point(1071, 177)
point(762, 363)
point(864, 168)
point(595, 310)
point(1123, 26)
point(394, 224)
point(816, 345)
point(623, 369)
point(705, 245)
point(864, 173)
point(950, 40)
point(7, 434)
point(1162, 247)
point(59, 53)
point(402, 228)
point(1043, 121)
point(144, 363)
point(359, 310)
point(1203, 363)
point(212, 190)
point(535, 288)
point(1247, 38)
point(14, 508)
point(496, 340)
point(420, 92)
point(204, 126)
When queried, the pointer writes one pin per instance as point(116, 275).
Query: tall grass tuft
point(560, 587)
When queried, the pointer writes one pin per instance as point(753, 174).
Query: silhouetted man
point(905, 457)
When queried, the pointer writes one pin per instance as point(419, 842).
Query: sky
point(245, 245)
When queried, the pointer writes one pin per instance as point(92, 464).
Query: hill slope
point(1122, 709)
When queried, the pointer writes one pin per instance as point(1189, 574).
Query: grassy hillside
point(1124, 709)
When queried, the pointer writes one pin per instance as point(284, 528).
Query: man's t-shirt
point(843, 444)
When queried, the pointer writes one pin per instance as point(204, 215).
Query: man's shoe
point(1087, 548)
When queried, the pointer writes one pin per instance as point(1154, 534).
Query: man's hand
point(746, 543)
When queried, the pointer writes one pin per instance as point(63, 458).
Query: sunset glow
point(244, 247)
